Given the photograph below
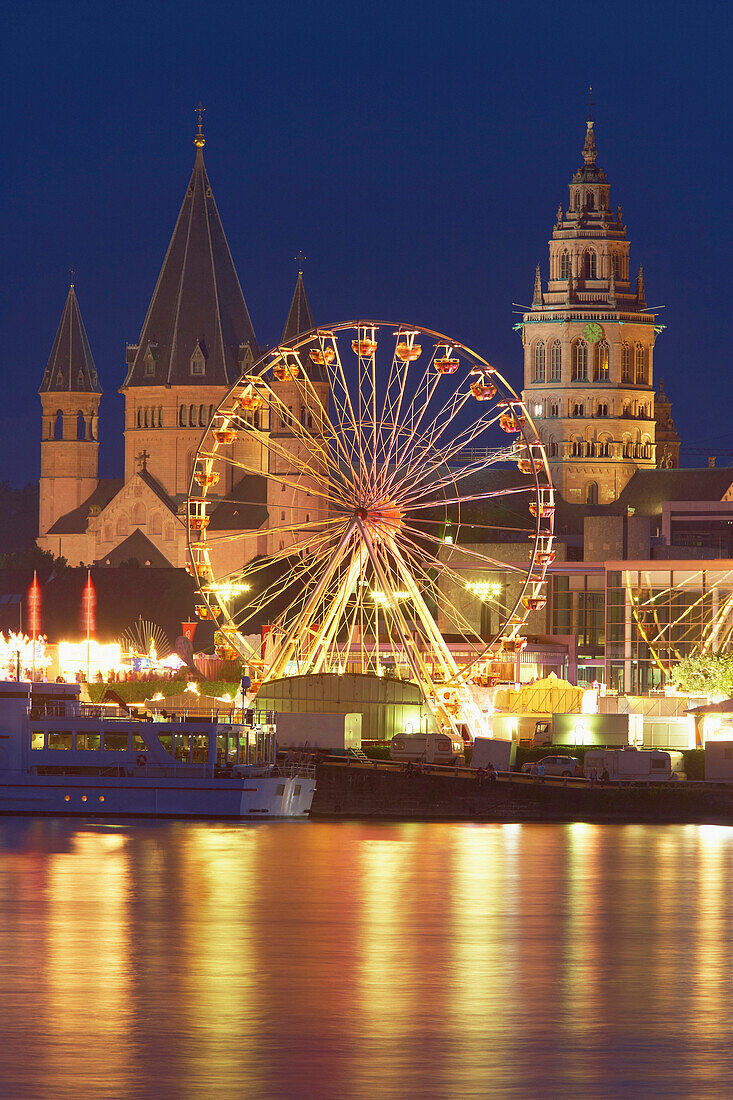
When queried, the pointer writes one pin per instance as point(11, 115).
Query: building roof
point(158, 489)
point(300, 318)
point(71, 366)
point(136, 547)
point(245, 508)
point(648, 490)
point(198, 308)
point(75, 522)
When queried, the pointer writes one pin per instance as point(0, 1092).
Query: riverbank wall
point(357, 790)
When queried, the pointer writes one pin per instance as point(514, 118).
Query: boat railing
point(298, 771)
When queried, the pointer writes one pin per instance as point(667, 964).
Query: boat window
point(138, 743)
point(59, 739)
point(182, 750)
point(87, 740)
point(166, 741)
point(37, 739)
point(200, 748)
point(221, 750)
point(116, 742)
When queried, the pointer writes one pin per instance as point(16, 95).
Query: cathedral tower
point(588, 346)
point(70, 394)
point(195, 342)
point(290, 501)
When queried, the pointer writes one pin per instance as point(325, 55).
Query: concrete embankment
point(364, 791)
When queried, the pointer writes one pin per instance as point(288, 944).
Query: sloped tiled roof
point(158, 489)
point(300, 318)
point(75, 522)
point(649, 489)
point(71, 366)
point(137, 546)
point(245, 508)
point(197, 301)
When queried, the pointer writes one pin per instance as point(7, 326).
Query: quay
point(381, 791)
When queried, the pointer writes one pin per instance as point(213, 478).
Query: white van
point(635, 765)
point(429, 748)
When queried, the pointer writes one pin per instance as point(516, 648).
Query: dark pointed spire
point(537, 298)
point(198, 301)
point(640, 296)
point(300, 318)
point(71, 365)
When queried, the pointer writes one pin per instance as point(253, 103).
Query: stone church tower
point(70, 394)
point(196, 340)
point(588, 348)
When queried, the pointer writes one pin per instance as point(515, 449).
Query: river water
point(367, 961)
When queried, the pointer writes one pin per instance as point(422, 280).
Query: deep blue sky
point(415, 152)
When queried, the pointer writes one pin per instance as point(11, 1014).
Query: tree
point(33, 558)
point(704, 674)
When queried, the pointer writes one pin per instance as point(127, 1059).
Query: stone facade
point(588, 348)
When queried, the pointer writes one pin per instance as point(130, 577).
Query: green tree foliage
point(33, 558)
point(704, 674)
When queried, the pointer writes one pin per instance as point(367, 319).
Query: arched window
point(139, 418)
point(192, 416)
point(182, 416)
point(556, 361)
point(147, 418)
point(202, 416)
point(565, 265)
point(554, 409)
point(539, 362)
point(591, 492)
point(169, 533)
point(553, 449)
point(138, 514)
point(639, 364)
point(602, 409)
point(156, 524)
point(576, 200)
point(625, 363)
point(108, 532)
point(576, 450)
point(58, 425)
point(578, 408)
point(160, 416)
point(588, 449)
point(122, 525)
point(590, 201)
point(603, 449)
point(590, 265)
point(601, 361)
point(615, 260)
point(81, 426)
point(580, 361)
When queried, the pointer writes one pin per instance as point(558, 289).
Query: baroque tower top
point(588, 345)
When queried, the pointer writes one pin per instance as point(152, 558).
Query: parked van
point(635, 765)
point(429, 748)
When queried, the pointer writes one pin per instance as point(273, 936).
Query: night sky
point(416, 153)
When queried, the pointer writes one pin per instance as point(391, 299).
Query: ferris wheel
point(356, 502)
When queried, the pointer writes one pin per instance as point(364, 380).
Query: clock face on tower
point(592, 332)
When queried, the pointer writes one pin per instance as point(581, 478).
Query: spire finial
point(590, 104)
point(199, 141)
point(72, 277)
point(300, 259)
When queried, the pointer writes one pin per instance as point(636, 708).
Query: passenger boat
point(61, 756)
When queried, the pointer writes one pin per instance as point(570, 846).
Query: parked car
point(556, 765)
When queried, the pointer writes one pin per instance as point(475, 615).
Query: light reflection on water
point(355, 960)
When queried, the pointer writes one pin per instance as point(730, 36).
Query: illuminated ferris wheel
point(343, 492)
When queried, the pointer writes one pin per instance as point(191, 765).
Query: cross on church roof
point(199, 139)
point(300, 260)
point(142, 460)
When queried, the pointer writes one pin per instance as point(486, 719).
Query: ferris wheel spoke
point(479, 558)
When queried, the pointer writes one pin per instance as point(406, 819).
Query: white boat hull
point(242, 798)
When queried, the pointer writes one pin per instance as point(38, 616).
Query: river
point(349, 960)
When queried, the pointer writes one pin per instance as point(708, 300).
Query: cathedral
point(588, 384)
point(589, 351)
point(196, 341)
